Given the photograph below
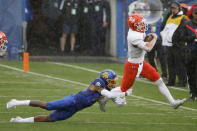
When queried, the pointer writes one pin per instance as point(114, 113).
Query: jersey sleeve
point(98, 83)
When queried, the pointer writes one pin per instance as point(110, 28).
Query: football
point(148, 38)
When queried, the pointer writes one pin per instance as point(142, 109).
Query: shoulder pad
point(99, 82)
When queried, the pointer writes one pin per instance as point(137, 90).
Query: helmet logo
point(105, 75)
point(131, 19)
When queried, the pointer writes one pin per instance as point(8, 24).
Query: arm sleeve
point(110, 94)
point(144, 47)
point(141, 44)
point(182, 34)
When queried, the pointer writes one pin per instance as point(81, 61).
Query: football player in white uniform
point(136, 65)
point(3, 40)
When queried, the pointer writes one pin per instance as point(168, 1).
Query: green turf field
point(146, 110)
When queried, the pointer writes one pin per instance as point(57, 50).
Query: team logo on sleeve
point(98, 84)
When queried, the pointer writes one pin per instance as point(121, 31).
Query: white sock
point(27, 120)
point(22, 102)
point(164, 90)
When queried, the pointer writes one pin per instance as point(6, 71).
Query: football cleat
point(11, 103)
point(178, 103)
point(17, 119)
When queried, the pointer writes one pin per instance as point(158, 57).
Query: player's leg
point(150, 73)
point(63, 42)
point(59, 115)
point(74, 31)
point(65, 108)
point(40, 104)
point(61, 104)
point(63, 39)
point(54, 116)
point(19, 119)
point(72, 42)
point(130, 72)
point(53, 105)
point(34, 103)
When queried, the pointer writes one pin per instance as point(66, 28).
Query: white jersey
point(135, 54)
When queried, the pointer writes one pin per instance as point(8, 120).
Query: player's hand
point(102, 103)
point(129, 92)
point(119, 101)
point(153, 34)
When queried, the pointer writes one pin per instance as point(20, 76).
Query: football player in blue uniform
point(100, 88)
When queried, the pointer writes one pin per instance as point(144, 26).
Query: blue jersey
point(87, 98)
point(68, 106)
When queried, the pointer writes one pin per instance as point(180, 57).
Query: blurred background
point(67, 27)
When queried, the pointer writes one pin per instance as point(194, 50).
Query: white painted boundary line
point(29, 97)
point(95, 71)
point(42, 75)
point(100, 113)
point(82, 84)
point(160, 102)
point(11, 82)
point(128, 123)
point(120, 123)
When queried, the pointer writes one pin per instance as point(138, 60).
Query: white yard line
point(120, 123)
point(133, 123)
point(82, 84)
point(95, 71)
point(100, 113)
point(148, 123)
point(29, 96)
point(160, 102)
point(43, 75)
point(12, 82)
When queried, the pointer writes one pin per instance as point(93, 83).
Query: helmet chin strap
point(141, 28)
point(3, 50)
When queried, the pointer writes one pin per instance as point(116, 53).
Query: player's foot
point(17, 119)
point(178, 103)
point(11, 103)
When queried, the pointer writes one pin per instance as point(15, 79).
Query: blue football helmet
point(109, 77)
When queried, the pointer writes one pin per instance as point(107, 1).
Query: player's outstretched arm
point(151, 43)
point(106, 93)
point(121, 101)
point(110, 94)
point(148, 43)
